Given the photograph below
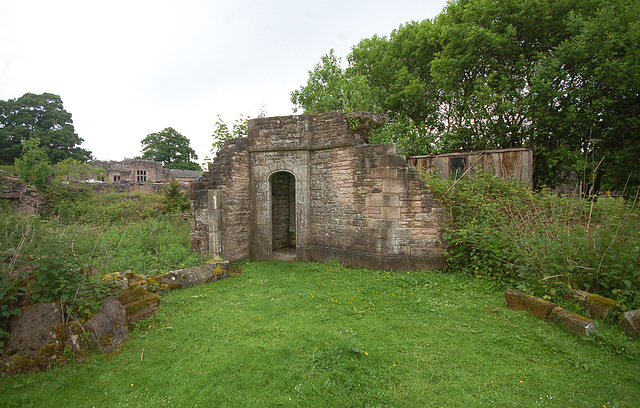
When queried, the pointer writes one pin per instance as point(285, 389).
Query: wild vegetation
point(80, 236)
point(542, 243)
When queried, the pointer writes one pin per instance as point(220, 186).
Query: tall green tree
point(329, 88)
point(171, 148)
point(561, 75)
point(587, 99)
point(41, 117)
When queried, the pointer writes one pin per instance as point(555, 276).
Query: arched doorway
point(283, 213)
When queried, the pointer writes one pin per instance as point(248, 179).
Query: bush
point(33, 167)
point(541, 243)
point(174, 199)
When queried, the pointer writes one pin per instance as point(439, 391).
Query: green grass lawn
point(321, 335)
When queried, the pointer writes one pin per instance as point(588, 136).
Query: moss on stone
point(601, 300)
point(218, 271)
point(112, 277)
point(173, 285)
point(132, 294)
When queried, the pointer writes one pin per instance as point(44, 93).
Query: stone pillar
point(215, 208)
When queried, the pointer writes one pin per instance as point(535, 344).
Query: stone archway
point(283, 213)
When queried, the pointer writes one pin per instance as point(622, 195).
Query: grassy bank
point(320, 335)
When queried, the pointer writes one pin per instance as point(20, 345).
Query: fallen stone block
point(34, 329)
point(197, 275)
point(572, 322)
point(597, 306)
point(139, 303)
point(521, 301)
point(108, 327)
point(630, 323)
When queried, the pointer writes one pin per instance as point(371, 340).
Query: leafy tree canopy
point(171, 148)
point(561, 75)
point(73, 170)
point(41, 117)
point(221, 132)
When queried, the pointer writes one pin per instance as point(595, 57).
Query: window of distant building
point(116, 179)
point(457, 166)
point(141, 176)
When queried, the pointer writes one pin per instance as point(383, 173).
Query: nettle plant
point(542, 243)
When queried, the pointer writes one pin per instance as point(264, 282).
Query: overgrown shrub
point(542, 243)
point(174, 199)
point(34, 167)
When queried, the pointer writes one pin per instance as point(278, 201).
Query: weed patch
point(541, 243)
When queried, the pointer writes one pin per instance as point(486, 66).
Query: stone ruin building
point(310, 185)
point(138, 171)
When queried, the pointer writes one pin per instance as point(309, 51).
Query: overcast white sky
point(127, 68)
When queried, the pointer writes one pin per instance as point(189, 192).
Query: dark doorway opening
point(283, 213)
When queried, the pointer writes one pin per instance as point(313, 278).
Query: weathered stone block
point(34, 329)
point(391, 213)
point(108, 327)
point(393, 185)
point(197, 275)
point(598, 306)
point(139, 303)
point(572, 322)
point(630, 323)
point(521, 301)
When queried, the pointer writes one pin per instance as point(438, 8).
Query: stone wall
point(311, 182)
point(220, 203)
point(371, 209)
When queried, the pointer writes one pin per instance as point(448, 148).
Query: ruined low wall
point(220, 205)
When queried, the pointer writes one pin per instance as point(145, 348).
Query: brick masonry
point(313, 183)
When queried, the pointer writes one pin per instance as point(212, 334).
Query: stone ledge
point(544, 309)
point(572, 322)
point(521, 301)
point(597, 306)
point(197, 275)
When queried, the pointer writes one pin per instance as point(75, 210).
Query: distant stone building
point(312, 185)
point(143, 171)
